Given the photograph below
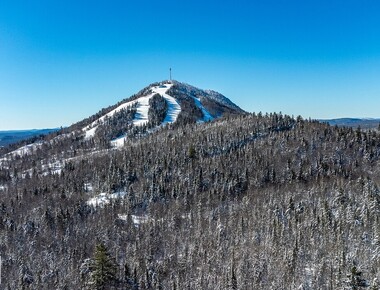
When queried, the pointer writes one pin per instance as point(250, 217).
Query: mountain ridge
point(364, 123)
point(12, 136)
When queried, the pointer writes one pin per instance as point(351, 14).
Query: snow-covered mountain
point(155, 106)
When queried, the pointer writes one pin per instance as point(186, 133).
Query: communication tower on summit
point(170, 74)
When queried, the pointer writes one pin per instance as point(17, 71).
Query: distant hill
point(13, 136)
point(354, 122)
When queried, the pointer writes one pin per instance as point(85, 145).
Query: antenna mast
point(170, 74)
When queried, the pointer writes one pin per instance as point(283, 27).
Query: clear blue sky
point(61, 61)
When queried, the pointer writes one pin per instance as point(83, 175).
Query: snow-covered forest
point(248, 201)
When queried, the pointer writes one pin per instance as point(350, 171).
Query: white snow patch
point(90, 129)
point(88, 187)
point(123, 217)
point(138, 220)
point(119, 142)
point(308, 278)
point(2, 187)
point(53, 167)
point(141, 117)
point(90, 133)
point(105, 198)
point(56, 171)
point(22, 151)
point(25, 150)
point(206, 115)
point(173, 107)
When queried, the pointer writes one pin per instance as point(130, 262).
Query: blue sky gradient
point(61, 61)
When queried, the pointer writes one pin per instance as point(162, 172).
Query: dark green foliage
point(157, 110)
point(234, 283)
point(103, 270)
point(355, 279)
point(192, 152)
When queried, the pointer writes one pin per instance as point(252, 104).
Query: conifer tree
point(355, 281)
point(103, 269)
point(234, 283)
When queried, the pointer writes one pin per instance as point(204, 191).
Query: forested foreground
point(246, 202)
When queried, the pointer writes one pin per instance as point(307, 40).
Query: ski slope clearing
point(206, 115)
point(142, 109)
point(173, 107)
point(141, 117)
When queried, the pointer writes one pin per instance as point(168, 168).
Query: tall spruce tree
point(103, 269)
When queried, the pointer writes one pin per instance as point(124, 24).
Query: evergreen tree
point(191, 152)
point(355, 281)
point(234, 283)
point(103, 269)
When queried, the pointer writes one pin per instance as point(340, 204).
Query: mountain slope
point(206, 94)
point(183, 101)
point(141, 106)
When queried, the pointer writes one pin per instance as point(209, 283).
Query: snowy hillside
point(208, 94)
point(191, 102)
point(142, 109)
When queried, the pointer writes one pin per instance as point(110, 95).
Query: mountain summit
point(157, 105)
